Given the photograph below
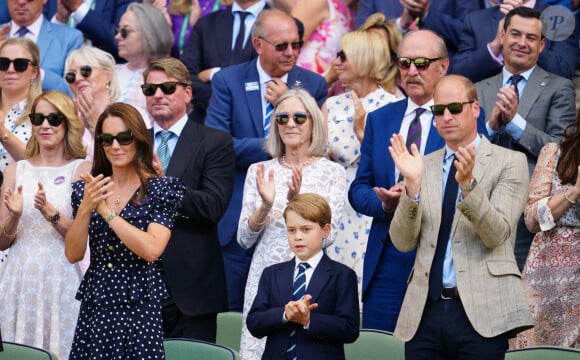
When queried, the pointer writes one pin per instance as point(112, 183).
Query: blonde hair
point(73, 143)
point(368, 54)
point(311, 207)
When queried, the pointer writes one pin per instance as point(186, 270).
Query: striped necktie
point(298, 294)
point(163, 149)
point(414, 133)
point(267, 117)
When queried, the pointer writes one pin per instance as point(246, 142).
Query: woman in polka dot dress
point(127, 213)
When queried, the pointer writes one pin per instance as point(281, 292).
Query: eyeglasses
point(283, 118)
point(421, 63)
point(20, 64)
point(123, 138)
point(454, 108)
point(341, 55)
point(124, 31)
point(296, 45)
point(167, 88)
point(54, 119)
point(85, 71)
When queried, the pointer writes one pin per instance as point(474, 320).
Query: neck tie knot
point(22, 31)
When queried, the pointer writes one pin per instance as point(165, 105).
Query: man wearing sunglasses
point(459, 210)
point(54, 41)
point(527, 106)
point(242, 101)
point(203, 158)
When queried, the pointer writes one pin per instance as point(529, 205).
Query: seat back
point(229, 329)
point(188, 349)
point(14, 351)
point(542, 353)
point(375, 345)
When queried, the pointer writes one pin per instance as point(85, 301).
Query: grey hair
point(157, 35)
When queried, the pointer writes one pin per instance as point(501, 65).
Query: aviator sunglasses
point(421, 63)
point(167, 88)
point(20, 64)
point(296, 45)
point(454, 108)
point(85, 71)
point(123, 138)
point(283, 118)
point(124, 31)
point(54, 119)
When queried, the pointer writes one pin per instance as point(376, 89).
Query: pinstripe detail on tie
point(267, 118)
point(298, 294)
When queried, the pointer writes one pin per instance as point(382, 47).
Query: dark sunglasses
point(85, 71)
point(296, 45)
point(341, 55)
point(54, 119)
point(124, 31)
point(20, 64)
point(123, 138)
point(454, 108)
point(283, 118)
point(421, 63)
point(167, 88)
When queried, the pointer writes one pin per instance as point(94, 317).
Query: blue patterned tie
point(163, 149)
point(298, 294)
point(269, 110)
point(447, 213)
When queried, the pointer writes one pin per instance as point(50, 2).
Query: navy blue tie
point(236, 56)
point(299, 290)
point(447, 213)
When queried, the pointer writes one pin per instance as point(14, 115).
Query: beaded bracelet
point(257, 224)
point(111, 216)
point(568, 199)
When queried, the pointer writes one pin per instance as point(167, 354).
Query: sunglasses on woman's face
point(85, 71)
point(123, 138)
point(54, 119)
point(341, 55)
point(454, 108)
point(283, 118)
point(167, 88)
point(20, 64)
point(124, 31)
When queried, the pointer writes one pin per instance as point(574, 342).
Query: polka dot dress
point(121, 294)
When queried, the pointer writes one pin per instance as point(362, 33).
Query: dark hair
point(567, 167)
point(143, 160)
point(524, 12)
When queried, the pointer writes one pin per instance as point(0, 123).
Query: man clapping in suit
point(459, 210)
point(203, 158)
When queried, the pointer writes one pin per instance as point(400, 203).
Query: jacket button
point(426, 274)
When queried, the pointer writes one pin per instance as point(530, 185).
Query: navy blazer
point(377, 168)
point(236, 108)
point(192, 261)
point(335, 322)
point(480, 27)
point(99, 24)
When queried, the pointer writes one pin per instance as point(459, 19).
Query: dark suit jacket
point(99, 24)
point(333, 323)
point(209, 46)
point(193, 266)
point(480, 27)
point(238, 111)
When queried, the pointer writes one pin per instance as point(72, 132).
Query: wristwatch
point(4, 137)
point(469, 186)
point(54, 218)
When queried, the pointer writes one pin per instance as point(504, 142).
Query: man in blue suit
point(241, 94)
point(480, 51)
point(376, 189)
point(97, 19)
point(54, 41)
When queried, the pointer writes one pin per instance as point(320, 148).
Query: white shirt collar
point(313, 261)
point(34, 28)
point(176, 128)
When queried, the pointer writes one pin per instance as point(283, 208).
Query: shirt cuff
point(213, 72)
point(516, 127)
point(80, 13)
point(498, 59)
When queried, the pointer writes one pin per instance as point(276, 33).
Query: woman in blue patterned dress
point(127, 213)
point(361, 65)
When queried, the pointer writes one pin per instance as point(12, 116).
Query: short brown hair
point(311, 207)
point(172, 67)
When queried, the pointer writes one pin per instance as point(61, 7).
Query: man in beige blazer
point(464, 298)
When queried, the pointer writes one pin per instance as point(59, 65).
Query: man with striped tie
point(203, 159)
point(307, 306)
point(242, 98)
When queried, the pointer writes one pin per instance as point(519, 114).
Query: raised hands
point(295, 184)
point(13, 201)
point(298, 311)
point(97, 190)
point(464, 164)
point(505, 109)
point(409, 164)
point(266, 185)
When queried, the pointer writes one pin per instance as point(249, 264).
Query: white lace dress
point(344, 147)
point(38, 284)
point(322, 177)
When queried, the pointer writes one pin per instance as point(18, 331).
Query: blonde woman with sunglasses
point(38, 285)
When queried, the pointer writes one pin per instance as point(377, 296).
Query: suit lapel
point(539, 79)
point(44, 41)
point(253, 97)
point(431, 187)
point(320, 278)
point(285, 280)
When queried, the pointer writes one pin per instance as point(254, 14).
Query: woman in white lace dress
point(38, 285)
point(297, 143)
point(19, 86)
point(361, 64)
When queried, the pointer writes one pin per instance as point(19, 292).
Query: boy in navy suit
point(306, 311)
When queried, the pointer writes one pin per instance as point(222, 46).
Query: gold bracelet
point(257, 224)
point(567, 199)
point(9, 235)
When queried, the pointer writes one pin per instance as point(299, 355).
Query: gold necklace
point(292, 166)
